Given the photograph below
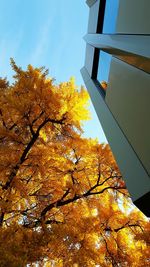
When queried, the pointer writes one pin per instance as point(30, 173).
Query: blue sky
point(46, 33)
point(111, 11)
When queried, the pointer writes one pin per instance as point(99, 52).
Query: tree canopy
point(62, 198)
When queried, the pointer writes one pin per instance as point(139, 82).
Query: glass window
point(103, 68)
point(110, 16)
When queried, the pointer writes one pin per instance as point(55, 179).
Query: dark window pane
point(110, 16)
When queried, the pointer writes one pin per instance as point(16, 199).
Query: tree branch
point(27, 149)
point(1, 218)
point(62, 202)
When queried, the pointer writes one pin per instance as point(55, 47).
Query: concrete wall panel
point(133, 17)
point(128, 97)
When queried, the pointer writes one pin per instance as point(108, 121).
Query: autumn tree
point(62, 198)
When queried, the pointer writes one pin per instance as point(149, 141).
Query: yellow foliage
point(59, 192)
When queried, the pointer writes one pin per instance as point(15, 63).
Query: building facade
point(117, 76)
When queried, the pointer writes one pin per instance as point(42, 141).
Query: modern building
point(117, 76)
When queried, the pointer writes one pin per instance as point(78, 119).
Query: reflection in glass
point(110, 17)
point(103, 69)
point(139, 62)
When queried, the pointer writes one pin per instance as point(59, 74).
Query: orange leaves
point(17, 246)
